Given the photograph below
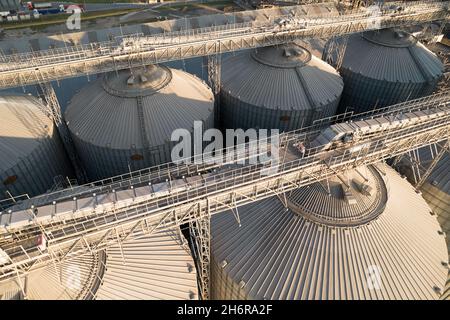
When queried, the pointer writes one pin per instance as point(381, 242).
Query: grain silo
point(124, 121)
point(281, 87)
point(31, 152)
point(435, 190)
point(385, 67)
point(152, 267)
point(365, 235)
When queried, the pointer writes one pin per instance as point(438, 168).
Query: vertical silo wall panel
point(36, 172)
point(223, 287)
point(362, 94)
point(103, 162)
point(238, 114)
point(439, 202)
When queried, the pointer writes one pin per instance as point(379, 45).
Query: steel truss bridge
point(130, 51)
point(90, 218)
point(36, 67)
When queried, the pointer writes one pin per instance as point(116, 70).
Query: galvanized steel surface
point(436, 191)
point(31, 152)
point(331, 202)
point(385, 67)
point(69, 280)
point(277, 254)
point(156, 266)
point(277, 87)
point(153, 266)
point(106, 125)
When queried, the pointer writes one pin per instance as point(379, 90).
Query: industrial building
point(329, 240)
point(123, 121)
point(32, 157)
point(157, 266)
point(331, 222)
point(282, 87)
point(384, 67)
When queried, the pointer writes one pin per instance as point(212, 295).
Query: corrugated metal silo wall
point(103, 162)
point(363, 94)
point(439, 200)
point(35, 173)
point(238, 114)
point(222, 286)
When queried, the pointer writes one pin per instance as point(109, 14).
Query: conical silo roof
point(285, 253)
point(69, 280)
point(105, 112)
point(31, 151)
point(391, 55)
point(345, 200)
point(22, 128)
point(156, 266)
point(285, 77)
point(435, 190)
point(437, 193)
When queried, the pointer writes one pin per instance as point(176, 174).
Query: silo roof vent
point(342, 201)
point(141, 82)
point(288, 55)
point(390, 38)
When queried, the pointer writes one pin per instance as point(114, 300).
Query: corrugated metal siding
point(107, 132)
point(30, 148)
point(153, 266)
point(156, 267)
point(380, 75)
point(329, 206)
point(280, 255)
point(35, 173)
point(436, 191)
point(21, 128)
point(259, 95)
point(67, 281)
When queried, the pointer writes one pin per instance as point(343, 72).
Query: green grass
point(61, 18)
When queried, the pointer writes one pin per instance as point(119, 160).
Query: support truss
point(214, 79)
point(201, 237)
point(53, 111)
point(334, 51)
point(437, 158)
point(23, 69)
point(98, 227)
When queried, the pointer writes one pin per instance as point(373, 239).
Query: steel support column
point(53, 110)
point(201, 240)
point(214, 76)
point(433, 164)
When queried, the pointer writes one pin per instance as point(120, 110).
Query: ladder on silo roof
point(143, 131)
